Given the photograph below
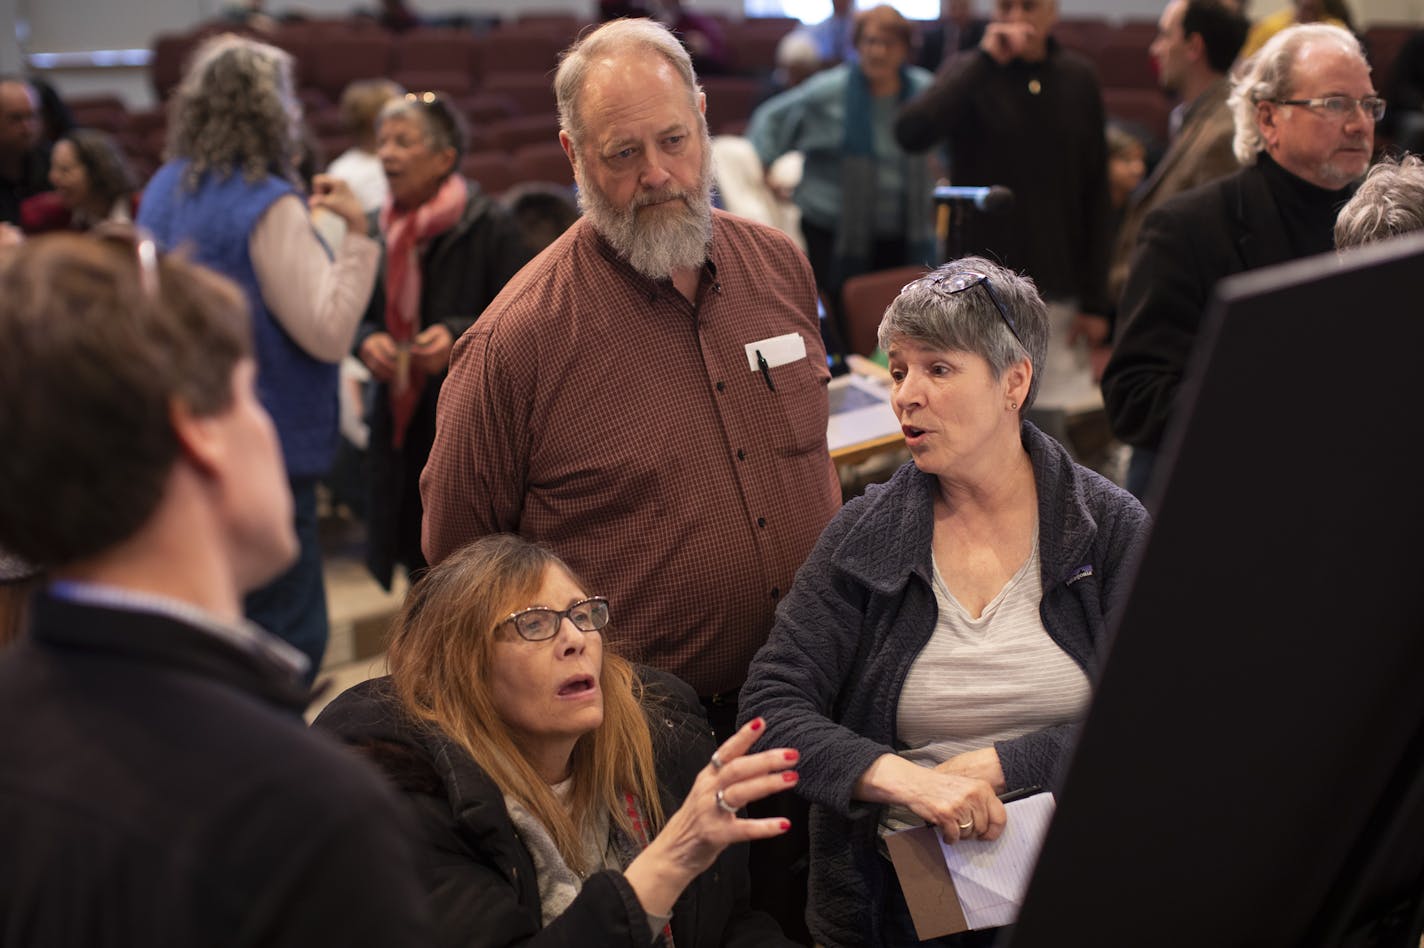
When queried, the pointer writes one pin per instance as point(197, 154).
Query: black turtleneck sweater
point(1308, 212)
point(1259, 216)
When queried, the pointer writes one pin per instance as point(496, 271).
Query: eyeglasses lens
point(590, 615)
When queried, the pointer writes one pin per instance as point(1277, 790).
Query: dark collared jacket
point(158, 787)
point(828, 680)
point(1186, 246)
point(481, 880)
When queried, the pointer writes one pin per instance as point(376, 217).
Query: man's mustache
point(657, 197)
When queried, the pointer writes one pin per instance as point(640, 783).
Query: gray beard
point(676, 237)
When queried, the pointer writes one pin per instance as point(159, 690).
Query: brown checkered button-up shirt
point(603, 414)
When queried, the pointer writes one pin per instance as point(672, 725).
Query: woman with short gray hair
point(938, 646)
point(450, 247)
point(1389, 202)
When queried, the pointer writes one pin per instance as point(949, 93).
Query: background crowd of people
point(655, 677)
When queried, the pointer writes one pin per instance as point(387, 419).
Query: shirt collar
point(244, 635)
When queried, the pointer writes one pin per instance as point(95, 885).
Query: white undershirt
point(988, 679)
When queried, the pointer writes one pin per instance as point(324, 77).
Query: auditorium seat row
point(500, 79)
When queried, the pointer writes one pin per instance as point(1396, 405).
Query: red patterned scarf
point(641, 840)
point(406, 233)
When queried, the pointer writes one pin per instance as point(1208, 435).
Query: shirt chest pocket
point(791, 403)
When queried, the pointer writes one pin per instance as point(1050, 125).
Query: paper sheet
point(991, 878)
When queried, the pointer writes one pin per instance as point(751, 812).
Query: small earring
point(1013, 406)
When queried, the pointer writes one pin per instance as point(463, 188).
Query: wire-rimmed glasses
point(1341, 106)
point(962, 280)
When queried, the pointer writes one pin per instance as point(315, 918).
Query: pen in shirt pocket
point(765, 370)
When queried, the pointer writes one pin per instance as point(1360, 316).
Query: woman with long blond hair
point(560, 795)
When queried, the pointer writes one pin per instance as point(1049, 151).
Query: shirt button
point(776, 592)
point(761, 521)
point(741, 455)
point(721, 387)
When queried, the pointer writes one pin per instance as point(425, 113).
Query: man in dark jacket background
point(1305, 118)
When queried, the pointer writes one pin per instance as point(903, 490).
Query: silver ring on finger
point(716, 762)
point(724, 806)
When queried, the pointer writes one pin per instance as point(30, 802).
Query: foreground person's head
point(130, 397)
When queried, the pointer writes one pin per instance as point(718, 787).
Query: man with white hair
point(1305, 112)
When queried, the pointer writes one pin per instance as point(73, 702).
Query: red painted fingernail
point(790, 776)
point(756, 724)
point(785, 825)
point(793, 755)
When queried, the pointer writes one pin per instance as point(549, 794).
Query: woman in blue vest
point(230, 194)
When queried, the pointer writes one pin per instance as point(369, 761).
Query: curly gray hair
point(236, 110)
point(612, 39)
point(1268, 75)
point(930, 314)
point(1389, 202)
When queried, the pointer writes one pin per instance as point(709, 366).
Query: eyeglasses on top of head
point(437, 105)
point(145, 251)
point(962, 280)
point(538, 623)
point(1341, 106)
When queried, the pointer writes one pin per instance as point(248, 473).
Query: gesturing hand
point(708, 821)
point(336, 196)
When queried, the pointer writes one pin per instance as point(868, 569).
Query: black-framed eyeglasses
point(1341, 106)
point(438, 107)
point(962, 280)
point(538, 623)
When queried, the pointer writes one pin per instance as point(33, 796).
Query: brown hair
point(361, 102)
point(110, 177)
point(887, 18)
point(440, 657)
point(95, 354)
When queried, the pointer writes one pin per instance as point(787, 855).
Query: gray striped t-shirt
point(981, 680)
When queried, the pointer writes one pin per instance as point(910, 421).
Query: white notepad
point(991, 877)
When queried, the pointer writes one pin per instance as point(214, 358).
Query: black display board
point(1251, 770)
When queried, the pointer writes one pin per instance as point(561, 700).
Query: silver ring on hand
point(716, 763)
point(967, 825)
point(724, 806)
